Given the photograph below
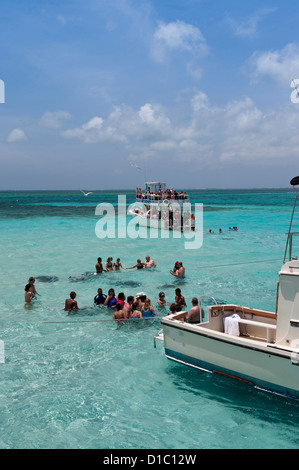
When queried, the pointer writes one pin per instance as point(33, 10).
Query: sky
point(195, 93)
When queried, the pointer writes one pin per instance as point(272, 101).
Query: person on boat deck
point(161, 300)
point(194, 312)
point(128, 307)
point(99, 266)
point(99, 298)
point(111, 300)
point(173, 309)
point(121, 298)
point(179, 270)
point(147, 309)
point(119, 313)
point(109, 265)
point(179, 298)
point(149, 263)
point(71, 303)
point(139, 265)
point(31, 282)
point(117, 265)
point(28, 294)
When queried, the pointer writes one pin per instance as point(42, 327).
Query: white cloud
point(173, 37)
point(238, 131)
point(280, 65)
point(248, 27)
point(94, 131)
point(16, 135)
point(54, 119)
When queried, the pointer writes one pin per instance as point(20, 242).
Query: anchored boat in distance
point(162, 208)
point(254, 346)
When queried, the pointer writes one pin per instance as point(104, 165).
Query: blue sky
point(197, 93)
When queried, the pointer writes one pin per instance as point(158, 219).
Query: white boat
point(162, 208)
point(254, 346)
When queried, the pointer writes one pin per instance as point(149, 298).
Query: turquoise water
point(81, 381)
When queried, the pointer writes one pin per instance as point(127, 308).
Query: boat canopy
point(154, 186)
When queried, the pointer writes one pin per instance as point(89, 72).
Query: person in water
point(121, 298)
point(173, 309)
point(138, 265)
point(71, 303)
point(31, 282)
point(161, 300)
point(99, 298)
point(179, 270)
point(136, 312)
point(179, 299)
point(109, 265)
point(28, 294)
point(99, 266)
point(117, 265)
point(111, 300)
point(118, 314)
point(149, 263)
point(147, 309)
point(128, 306)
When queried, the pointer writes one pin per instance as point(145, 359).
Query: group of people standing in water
point(117, 265)
point(130, 307)
point(138, 307)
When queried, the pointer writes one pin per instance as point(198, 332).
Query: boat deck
point(246, 323)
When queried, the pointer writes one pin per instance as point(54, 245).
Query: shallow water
point(81, 381)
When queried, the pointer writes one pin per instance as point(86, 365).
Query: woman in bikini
point(117, 265)
point(109, 265)
point(28, 294)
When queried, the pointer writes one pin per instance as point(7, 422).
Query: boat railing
point(155, 198)
point(289, 245)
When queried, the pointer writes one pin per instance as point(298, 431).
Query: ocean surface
point(82, 381)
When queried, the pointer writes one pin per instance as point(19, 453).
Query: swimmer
point(121, 299)
point(179, 271)
point(117, 265)
point(128, 306)
point(99, 298)
point(149, 263)
point(71, 303)
point(119, 313)
point(111, 300)
point(99, 266)
point(147, 309)
point(161, 300)
point(28, 294)
point(31, 282)
point(172, 309)
point(109, 265)
point(136, 312)
point(138, 265)
point(179, 299)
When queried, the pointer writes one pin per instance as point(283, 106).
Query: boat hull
point(161, 224)
point(263, 366)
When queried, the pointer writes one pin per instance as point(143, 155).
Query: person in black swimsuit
point(139, 265)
